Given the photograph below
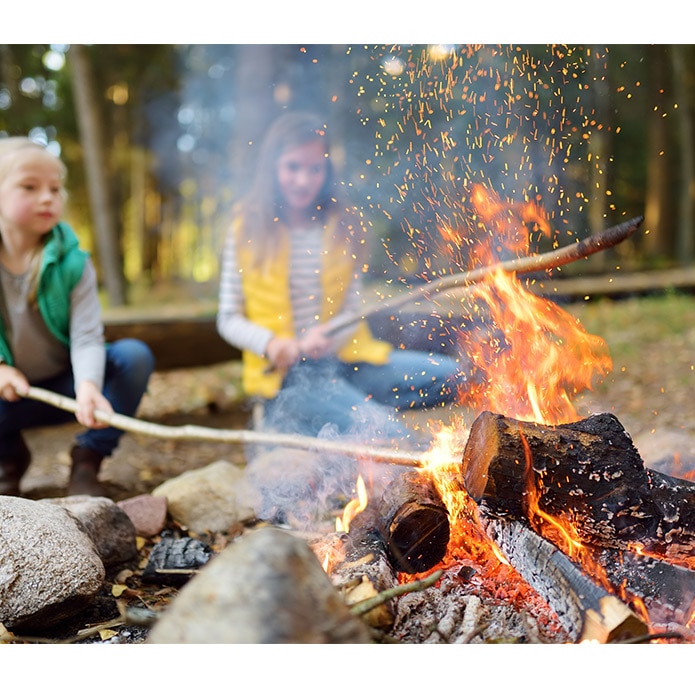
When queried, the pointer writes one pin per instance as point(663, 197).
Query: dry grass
point(652, 345)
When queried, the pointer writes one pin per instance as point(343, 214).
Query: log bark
point(587, 611)
point(366, 569)
point(588, 474)
point(414, 523)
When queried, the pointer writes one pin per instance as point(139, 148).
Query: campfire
point(559, 507)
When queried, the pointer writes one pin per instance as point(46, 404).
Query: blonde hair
point(13, 147)
point(11, 150)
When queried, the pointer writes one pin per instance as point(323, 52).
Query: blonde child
point(51, 333)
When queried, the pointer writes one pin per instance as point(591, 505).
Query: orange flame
point(355, 506)
point(535, 358)
point(531, 358)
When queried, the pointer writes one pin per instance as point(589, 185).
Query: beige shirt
point(37, 353)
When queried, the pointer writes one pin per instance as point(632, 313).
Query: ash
point(460, 611)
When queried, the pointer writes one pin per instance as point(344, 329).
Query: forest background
point(160, 140)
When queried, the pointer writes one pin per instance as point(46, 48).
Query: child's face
point(31, 195)
point(301, 172)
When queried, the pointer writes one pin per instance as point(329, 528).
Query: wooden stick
point(195, 432)
point(532, 263)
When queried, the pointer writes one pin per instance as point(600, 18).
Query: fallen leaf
point(107, 634)
point(117, 590)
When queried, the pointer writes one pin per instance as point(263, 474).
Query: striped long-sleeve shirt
point(306, 295)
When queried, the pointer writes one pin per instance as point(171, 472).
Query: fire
point(536, 357)
point(531, 357)
point(355, 506)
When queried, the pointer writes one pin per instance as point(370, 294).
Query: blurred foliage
point(561, 130)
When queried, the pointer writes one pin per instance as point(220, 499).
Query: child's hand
point(282, 352)
point(13, 383)
point(314, 344)
point(90, 399)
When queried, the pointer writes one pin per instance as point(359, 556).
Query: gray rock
point(50, 568)
point(267, 587)
point(107, 525)
point(214, 498)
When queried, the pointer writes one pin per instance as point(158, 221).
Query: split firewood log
point(586, 610)
point(414, 522)
point(587, 475)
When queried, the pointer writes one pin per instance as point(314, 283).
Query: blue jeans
point(129, 364)
point(362, 399)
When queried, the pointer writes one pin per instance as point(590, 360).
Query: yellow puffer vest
point(267, 297)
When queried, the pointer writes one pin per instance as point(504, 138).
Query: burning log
point(414, 523)
point(366, 569)
point(586, 475)
point(666, 590)
point(586, 611)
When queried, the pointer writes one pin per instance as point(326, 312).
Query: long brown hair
point(261, 209)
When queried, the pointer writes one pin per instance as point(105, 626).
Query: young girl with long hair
point(51, 333)
point(294, 259)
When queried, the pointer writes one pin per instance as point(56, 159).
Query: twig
point(195, 432)
point(532, 263)
point(365, 606)
point(644, 638)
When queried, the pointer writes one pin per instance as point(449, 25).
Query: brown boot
point(12, 469)
point(83, 472)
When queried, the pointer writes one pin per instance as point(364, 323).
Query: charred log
point(173, 560)
point(414, 523)
point(587, 474)
point(587, 611)
point(666, 590)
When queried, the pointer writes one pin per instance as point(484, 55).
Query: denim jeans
point(360, 398)
point(129, 364)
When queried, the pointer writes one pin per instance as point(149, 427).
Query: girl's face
point(31, 194)
point(301, 173)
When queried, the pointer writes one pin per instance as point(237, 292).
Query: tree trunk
point(601, 149)
point(255, 80)
point(96, 169)
point(658, 240)
point(685, 186)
